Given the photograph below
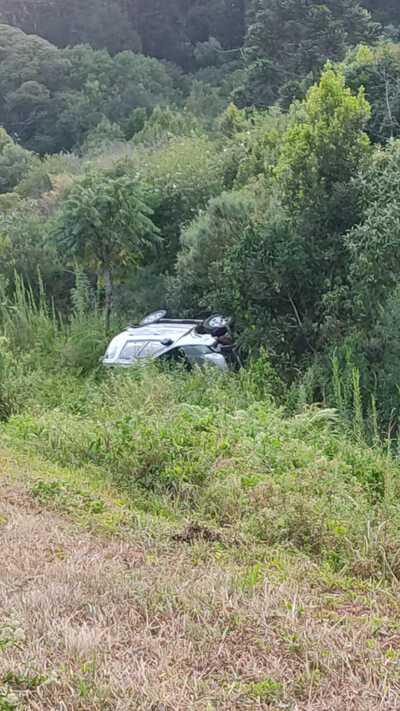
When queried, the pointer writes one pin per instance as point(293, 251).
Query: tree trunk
point(108, 288)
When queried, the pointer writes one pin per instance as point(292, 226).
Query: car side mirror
point(167, 342)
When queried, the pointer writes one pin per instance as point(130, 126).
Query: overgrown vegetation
point(281, 213)
point(236, 157)
point(234, 452)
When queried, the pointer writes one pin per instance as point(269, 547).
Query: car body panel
point(140, 343)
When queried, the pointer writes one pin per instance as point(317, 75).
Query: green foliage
point(377, 70)
point(31, 70)
point(85, 338)
point(6, 393)
point(135, 122)
point(102, 138)
point(54, 98)
point(285, 219)
point(254, 144)
point(8, 701)
point(25, 682)
point(99, 86)
point(105, 223)
point(322, 150)
point(165, 124)
point(206, 101)
point(260, 280)
point(64, 497)
point(266, 691)
point(100, 24)
point(385, 11)
point(15, 162)
point(180, 179)
point(289, 41)
point(199, 280)
point(27, 323)
point(233, 121)
point(23, 246)
point(374, 243)
point(170, 31)
point(104, 218)
point(324, 146)
point(209, 447)
point(269, 253)
point(50, 174)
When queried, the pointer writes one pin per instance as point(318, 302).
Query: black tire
point(216, 321)
point(154, 317)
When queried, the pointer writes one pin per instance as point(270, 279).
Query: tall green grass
point(218, 448)
point(42, 339)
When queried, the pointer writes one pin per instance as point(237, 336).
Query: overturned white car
point(190, 342)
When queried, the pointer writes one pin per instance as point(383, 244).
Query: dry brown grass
point(100, 623)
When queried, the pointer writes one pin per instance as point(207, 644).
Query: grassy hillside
point(175, 541)
point(220, 451)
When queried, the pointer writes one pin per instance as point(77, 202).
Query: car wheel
point(216, 321)
point(154, 317)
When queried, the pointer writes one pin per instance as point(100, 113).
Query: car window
point(132, 350)
point(195, 353)
point(151, 348)
point(140, 349)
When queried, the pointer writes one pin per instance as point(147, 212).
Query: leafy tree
point(206, 102)
point(377, 69)
point(15, 162)
point(102, 138)
point(276, 255)
point(24, 248)
point(289, 40)
point(31, 70)
point(385, 11)
point(166, 30)
point(198, 282)
point(374, 244)
point(322, 150)
point(261, 280)
point(254, 145)
point(101, 23)
point(99, 86)
point(53, 98)
point(165, 124)
point(180, 177)
point(105, 223)
point(171, 29)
